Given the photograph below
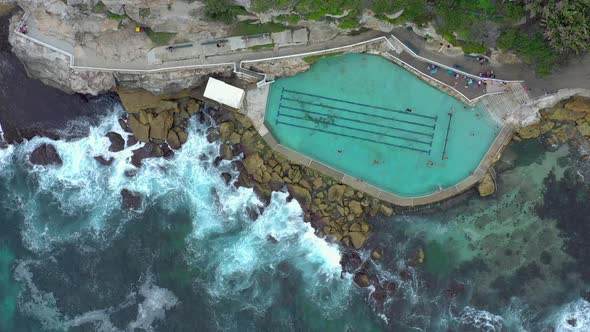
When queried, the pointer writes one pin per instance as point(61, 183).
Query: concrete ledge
point(327, 170)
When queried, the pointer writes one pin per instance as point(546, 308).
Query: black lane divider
point(362, 113)
point(358, 129)
point(431, 135)
point(361, 104)
point(447, 136)
point(355, 137)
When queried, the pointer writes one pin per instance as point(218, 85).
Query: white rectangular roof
point(224, 93)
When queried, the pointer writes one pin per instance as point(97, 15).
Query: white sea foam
point(573, 317)
point(154, 306)
point(481, 320)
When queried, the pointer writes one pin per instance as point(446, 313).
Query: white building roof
point(224, 93)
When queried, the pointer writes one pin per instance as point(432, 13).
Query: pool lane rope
point(447, 136)
point(360, 104)
point(354, 137)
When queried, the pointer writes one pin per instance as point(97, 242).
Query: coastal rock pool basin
point(373, 120)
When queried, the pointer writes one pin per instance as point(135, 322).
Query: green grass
point(245, 28)
point(99, 8)
point(314, 58)
point(114, 16)
point(159, 38)
point(291, 19)
point(349, 22)
point(262, 47)
point(533, 49)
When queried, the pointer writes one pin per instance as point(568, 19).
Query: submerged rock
point(103, 161)
point(44, 155)
point(130, 199)
point(149, 150)
point(117, 142)
point(362, 279)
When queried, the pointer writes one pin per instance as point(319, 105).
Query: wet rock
point(131, 200)
point(212, 135)
point(252, 213)
point(124, 125)
point(149, 150)
point(226, 177)
point(362, 279)
point(357, 239)
point(584, 128)
point(560, 134)
point(192, 107)
point(103, 161)
point(272, 239)
point(117, 141)
point(182, 136)
point(389, 286)
point(455, 289)
point(130, 173)
point(386, 210)
point(140, 131)
point(350, 261)
point(131, 140)
point(376, 254)
point(563, 114)
point(535, 130)
point(45, 154)
point(486, 186)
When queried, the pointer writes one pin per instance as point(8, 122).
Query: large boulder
point(578, 104)
point(336, 192)
point(362, 279)
point(563, 114)
point(225, 130)
point(117, 141)
point(173, 140)
point(253, 163)
point(104, 161)
point(486, 186)
point(561, 134)
point(160, 126)
point(130, 200)
point(149, 150)
point(136, 100)
point(535, 130)
point(140, 131)
point(358, 239)
point(45, 154)
point(584, 128)
point(302, 195)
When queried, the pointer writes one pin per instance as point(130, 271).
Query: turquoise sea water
point(350, 112)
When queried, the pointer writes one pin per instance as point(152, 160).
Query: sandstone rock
point(225, 152)
point(225, 130)
point(535, 130)
point(103, 161)
point(301, 194)
point(143, 117)
point(173, 140)
point(560, 134)
point(253, 163)
point(182, 136)
point(357, 239)
point(385, 210)
point(160, 126)
point(584, 128)
point(362, 280)
point(376, 255)
point(45, 154)
point(117, 141)
point(336, 192)
point(124, 125)
point(130, 200)
point(355, 208)
point(140, 131)
point(192, 107)
point(318, 183)
point(235, 138)
point(578, 104)
point(486, 186)
point(136, 100)
point(563, 114)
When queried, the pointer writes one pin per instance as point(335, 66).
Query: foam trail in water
point(572, 317)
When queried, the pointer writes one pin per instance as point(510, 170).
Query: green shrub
point(99, 8)
point(349, 22)
point(222, 10)
point(114, 16)
point(159, 38)
point(245, 28)
point(262, 47)
point(291, 19)
point(532, 48)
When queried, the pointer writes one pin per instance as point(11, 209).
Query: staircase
point(511, 106)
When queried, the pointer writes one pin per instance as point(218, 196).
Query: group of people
point(23, 29)
point(488, 74)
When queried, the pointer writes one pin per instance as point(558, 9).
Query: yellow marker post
point(137, 29)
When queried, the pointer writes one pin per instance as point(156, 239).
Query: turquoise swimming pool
point(367, 117)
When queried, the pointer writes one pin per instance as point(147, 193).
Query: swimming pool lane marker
point(363, 130)
point(431, 135)
point(361, 113)
point(447, 136)
point(355, 137)
point(361, 104)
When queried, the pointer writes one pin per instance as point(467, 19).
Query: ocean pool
point(369, 118)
